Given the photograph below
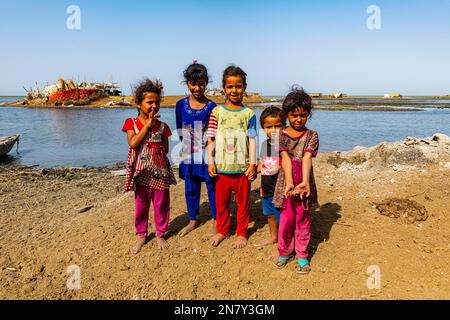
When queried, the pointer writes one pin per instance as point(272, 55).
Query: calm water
point(77, 137)
point(10, 99)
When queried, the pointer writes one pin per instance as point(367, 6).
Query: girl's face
point(234, 89)
point(272, 124)
point(197, 89)
point(150, 103)
point(298, 118)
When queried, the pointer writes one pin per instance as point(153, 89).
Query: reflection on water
point(93, 137)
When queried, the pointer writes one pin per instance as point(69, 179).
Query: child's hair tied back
point(196, 72)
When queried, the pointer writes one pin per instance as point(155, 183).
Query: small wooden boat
point(6, 143)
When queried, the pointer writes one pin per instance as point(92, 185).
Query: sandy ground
point(43, 233)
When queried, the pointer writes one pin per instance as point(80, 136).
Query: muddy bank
point(115, 102)
point(52, 220)
point(347, 103)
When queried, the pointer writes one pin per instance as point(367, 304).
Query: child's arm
point(212, 171)
point(251, 170)
point(165, 142)
point(286, 165)
point(211, 134)
point(259, 167)
point(304, 187)
point(179, 121)
point(135, 140)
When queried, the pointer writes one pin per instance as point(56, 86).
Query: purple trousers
point(144, 196)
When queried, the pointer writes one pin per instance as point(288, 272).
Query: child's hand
point(288, 190)
point(303, 189)
point(212, 171)
point(149, 122)
point(251, 173)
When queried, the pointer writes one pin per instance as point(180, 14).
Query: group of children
point(219, 149)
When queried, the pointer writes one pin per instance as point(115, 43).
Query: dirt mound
point(406, 210)
point(407, 153)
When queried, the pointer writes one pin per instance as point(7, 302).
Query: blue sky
point(324, 46)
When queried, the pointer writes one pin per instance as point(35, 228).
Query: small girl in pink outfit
point(295, 191)
point(149, 172)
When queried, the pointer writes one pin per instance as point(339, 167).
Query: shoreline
point(323, 103)
point(120, 165)
point(317, 107)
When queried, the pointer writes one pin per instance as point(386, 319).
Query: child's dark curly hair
point(145, 86)
point(195, 73)
point(272, 111)
point(297, 98)
point(232, 71)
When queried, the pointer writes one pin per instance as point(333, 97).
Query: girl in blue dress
point(192, 116)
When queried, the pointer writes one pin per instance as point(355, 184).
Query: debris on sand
point(406, 154)
point(85, 209)
point(406, 210)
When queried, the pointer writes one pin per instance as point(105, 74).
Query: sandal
point(302, 270)
point(282, 262)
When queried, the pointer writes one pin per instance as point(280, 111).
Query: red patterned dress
point(148, 165)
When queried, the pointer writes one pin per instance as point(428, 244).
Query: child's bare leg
point(137, 247)
point(213, 231)
point(240, 242)
point(273, 228)
point(191, 226)
point(217, 239)
point(214, 228)
point(162, 243)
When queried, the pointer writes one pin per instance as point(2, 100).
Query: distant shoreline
point(317, 107)
point(347, 103)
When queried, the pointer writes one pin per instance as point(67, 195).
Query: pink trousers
point(144, 196)
point(294, 231)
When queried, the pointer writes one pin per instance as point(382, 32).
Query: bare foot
point(191, 226)
point(137, 247)
point(266, 242)
point(162, 243)
point(217, 239)
point(212, 233)
point(240, 242)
